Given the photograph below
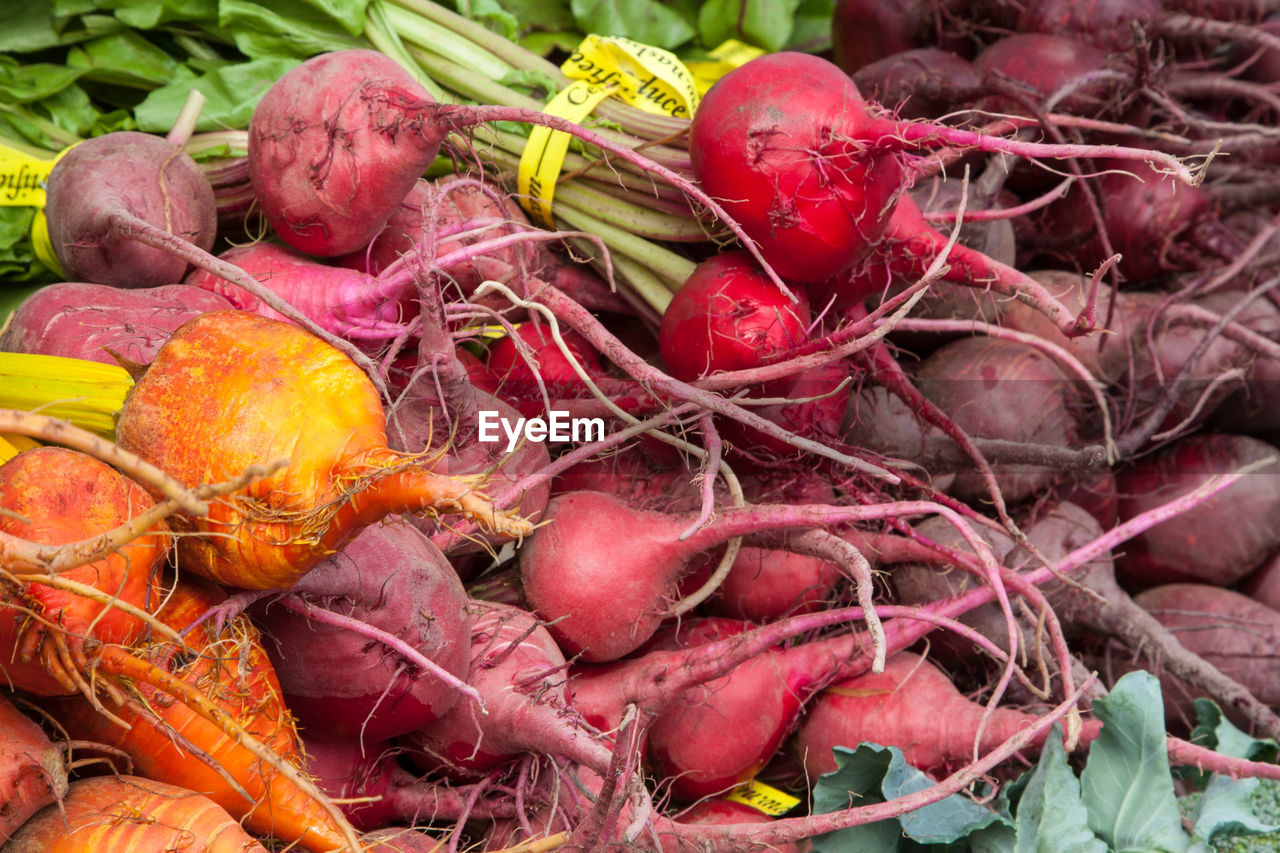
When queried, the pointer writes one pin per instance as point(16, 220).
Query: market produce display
point(804, 425)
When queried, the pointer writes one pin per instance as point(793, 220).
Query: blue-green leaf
point(874, 774)
point(1051, 817)
point(1126, 786)
point(1225, 806)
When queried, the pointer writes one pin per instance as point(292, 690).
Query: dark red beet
point(1157, 224)
point(924, 82)
point(863, 31)
point(987, 386)
point(98, 192)
point(91, 321)
point(1236, 634)
point(518, 670)
point(1220, 541)
point(378, 791)
point(1106, 23)
point(343, 683)
point(1043, 63)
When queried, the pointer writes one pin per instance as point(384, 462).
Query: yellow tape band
point(22, 181)
point(763, 798)
point(22, 177)
point(544, 152)
point(648, 78)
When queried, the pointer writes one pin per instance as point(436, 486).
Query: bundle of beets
point(415, 530)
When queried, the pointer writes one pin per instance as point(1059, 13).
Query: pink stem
point(920, 132)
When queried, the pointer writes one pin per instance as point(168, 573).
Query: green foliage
point(1126, 785)
point(1123, 802)
point(875, 774)
point(642, 20)
point(232, 91)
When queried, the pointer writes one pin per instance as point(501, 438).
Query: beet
point(106, 189)
point(344, 683)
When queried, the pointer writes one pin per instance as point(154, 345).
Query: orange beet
point(52, 495)
point(132, 813)
point(231, 389)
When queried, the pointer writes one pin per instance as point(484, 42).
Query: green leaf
point(30, 27)
point(1051, 817)
point(17, 260)
point(811, 26)
point(499, 17)
point(644, 21)
point(152, 13)
point(764, 23)
point(70, 110)
point(126, 59)
point(875, 774)
point(1126, 786)
point(288, 28)
point(1217, 733)
point(23, 84)
point(530, 15)
point(1226, 807)
point(545, 43)
point(232, 91)
point(997, 838)
point(349, 13)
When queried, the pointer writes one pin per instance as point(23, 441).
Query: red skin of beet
point(1044, 63)
point(335, 680)
point(721, 733)
point(601, 572)
point(715, 811)
point(988, 386)
point(1224, 538)
point(923, 82)
point(344, 301)
point(34, 772)
point(1234, 633)
point(1157, 224)
point(92, 321)
point(135, 174)
point(514, 379)
point(379, 792)
point(863, 31)
point(911, 705)
point(817, 413)
point(462, 200)
point(327, 198)
point(728, 316)
point(796, 181)
point(1263, 584)
point(1106, 23)
point(767, 584)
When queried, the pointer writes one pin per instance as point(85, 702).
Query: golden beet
point(231, 389)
